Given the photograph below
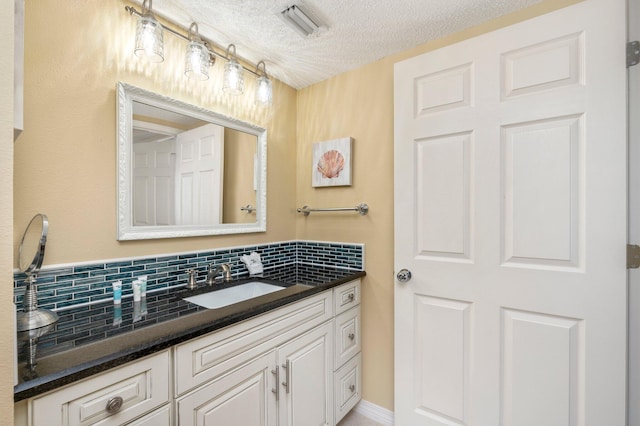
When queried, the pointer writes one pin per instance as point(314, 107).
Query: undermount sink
point(228, 296)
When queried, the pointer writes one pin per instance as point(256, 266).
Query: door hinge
point(633, 256)
point(633, 53)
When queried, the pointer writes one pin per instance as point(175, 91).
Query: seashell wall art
point(331, 163)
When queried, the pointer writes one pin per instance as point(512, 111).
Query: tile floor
point(356, 419)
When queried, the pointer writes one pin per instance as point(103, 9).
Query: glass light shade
point(149, 41)
point(233, 81)
point(196, 64)
point(263, 91)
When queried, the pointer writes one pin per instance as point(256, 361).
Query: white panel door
point(199, 174)
point(510, 213)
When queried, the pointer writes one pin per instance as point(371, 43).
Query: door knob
point(403, 275)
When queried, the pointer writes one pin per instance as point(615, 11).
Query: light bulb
point(197, 61)
point(263, 91)
point(233, 81)
point(149, 41)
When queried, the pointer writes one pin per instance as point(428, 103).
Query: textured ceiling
point(358, 31)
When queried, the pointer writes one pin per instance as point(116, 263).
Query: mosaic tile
point(65, 287)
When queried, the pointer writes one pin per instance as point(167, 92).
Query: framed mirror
point(185, 171)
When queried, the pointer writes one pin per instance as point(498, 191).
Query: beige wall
point(239, 148)
point(65, 159)
point(360, 104)
point(6, 212)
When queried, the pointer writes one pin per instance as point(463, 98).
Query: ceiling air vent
point(301, 19)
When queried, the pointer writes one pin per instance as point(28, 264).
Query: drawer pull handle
point(114, 404)
point(276, 372)
point(287, 369)
point(351, 297)
point(351, 336)
point(352, 388)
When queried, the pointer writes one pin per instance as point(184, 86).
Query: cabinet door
point(242, 397)
point(306, 384)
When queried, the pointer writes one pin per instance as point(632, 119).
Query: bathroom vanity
point(287, 358)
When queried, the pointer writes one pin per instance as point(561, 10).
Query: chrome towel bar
point(363, 209)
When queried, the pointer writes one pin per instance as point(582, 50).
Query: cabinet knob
point(351, 336)
point(114, 404)
point(352, 388)
point(351, 297)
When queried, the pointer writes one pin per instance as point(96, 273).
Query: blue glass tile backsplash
point(67, 286)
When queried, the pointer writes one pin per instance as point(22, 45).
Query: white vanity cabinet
point(293, 366)
point(298, 365)
point(289, 385)
point(264, 371)
point(203, 359)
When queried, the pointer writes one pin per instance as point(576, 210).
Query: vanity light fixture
point(233, 81)
point(149, 41)
point(200, 54)
point(198, 59)
point(263, 86)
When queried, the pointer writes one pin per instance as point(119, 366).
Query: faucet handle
point(192, 284)
point(226, 270)
point(223, 267)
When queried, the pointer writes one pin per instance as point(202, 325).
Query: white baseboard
point(374, 412)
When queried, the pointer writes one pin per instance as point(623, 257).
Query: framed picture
point(331, 163)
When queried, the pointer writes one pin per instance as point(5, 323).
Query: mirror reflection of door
point(177, 175)
point(199, 172)
point(153, 174)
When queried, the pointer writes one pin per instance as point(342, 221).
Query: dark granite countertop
point(90, 339)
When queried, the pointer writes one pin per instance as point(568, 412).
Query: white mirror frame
point(126, 95)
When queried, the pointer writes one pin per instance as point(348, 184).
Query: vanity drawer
point(347, 336)
point(346, 296)
point(128, 391)
point(160, 417)
point(203, 359)
point(348, 387)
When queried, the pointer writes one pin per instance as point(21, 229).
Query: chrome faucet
point(211, 273)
